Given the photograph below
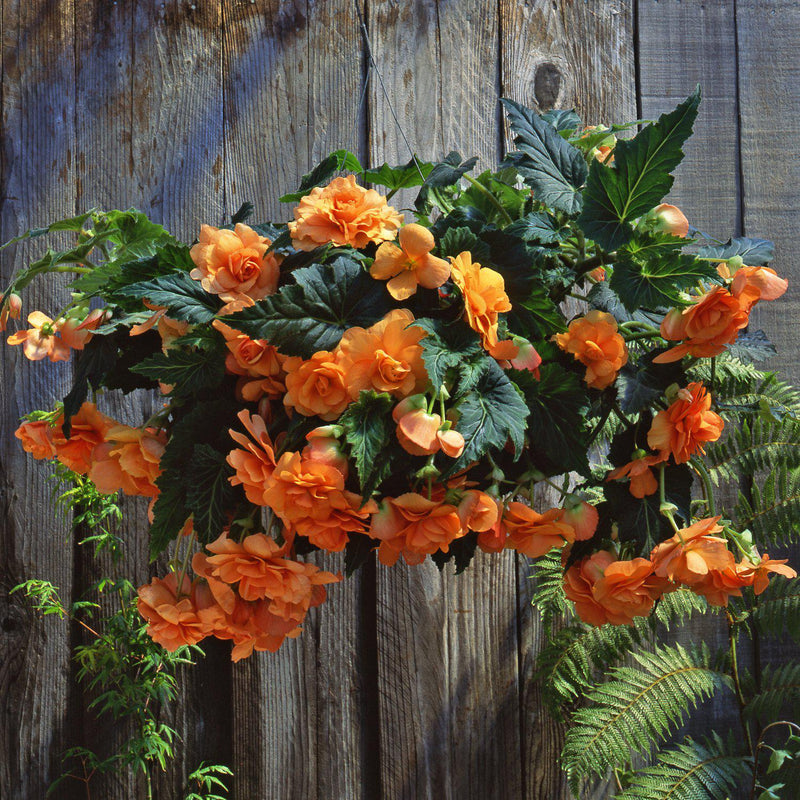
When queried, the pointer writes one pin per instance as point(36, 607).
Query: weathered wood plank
point(292, 82)
point(38, 92)
point(446, 644)
point(560, 55)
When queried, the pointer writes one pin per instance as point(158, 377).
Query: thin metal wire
point(373, 66)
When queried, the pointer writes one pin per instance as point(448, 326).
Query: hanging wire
point(373, 67)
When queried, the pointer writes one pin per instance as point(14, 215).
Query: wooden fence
point(407, 683)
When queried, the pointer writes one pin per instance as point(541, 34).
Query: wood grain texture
point(560, 55)
point(38, 93)
point(292, 81)
point(446, 644)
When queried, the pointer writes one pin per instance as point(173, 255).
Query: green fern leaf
point(638, 708)
point(548, 594)
point(779, 692)
point(772, 511)
point(693, 770)
point(778, 610)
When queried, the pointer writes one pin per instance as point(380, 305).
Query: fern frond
point(693, 770)
point(773, 511)
point(638, 708)
point(680, 606)
point(759, 444)
point(548, 594)
point(778, 609)
point(779, 692)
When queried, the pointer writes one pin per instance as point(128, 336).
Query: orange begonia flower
point(642, 480)
point(692, 553)
point(40, 438)
point(682, 429)
point(41, 339)
point(581, 516)
point(413, 526)
point(343, 213)
point(324, 446)
point(168, 329)
point(484, 294)
point(751, 284)
point(255, 463)
point(234, 264)
point(628, 589)
point(479, 511)
point(386, 356)
point(9, 310)
point(411, 264)
point(593, 340)
point(318, 386)
point(89, 429)
point(128, 460)
point(579, 582)
point(172, 619)
point(533, 534)
point(758, 574)
point(670, 219)
point(713, 322)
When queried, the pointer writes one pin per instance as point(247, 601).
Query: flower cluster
point(355, 382)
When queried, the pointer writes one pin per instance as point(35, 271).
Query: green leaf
point(209, 492)
point(444, 174)
point(537, 227)
point(603, 298)
point(639, 177)
point(562, 119)
point(461, 552)
point(170, 513)
point(752, 346)
point(452, 352)
point(356, 551)
point(491, 415)
point(655, 277)
point(314, 312)
point(400, 177)
point(754, 252)
point(541, 317)
point(550, 165)
point(368, 428)
point(92, 364)
point(134, 235)
point(187, 371)
point(338, 161)
point(459, 240)
point(184, 298)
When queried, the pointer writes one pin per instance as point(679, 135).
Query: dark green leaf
point(338, 161)
point(550, 165)
point(563, 119)
point(752, 346)
point(244, 213)
point(401, 176)
point(754, 252)
point(444, 174)
point(356, 552)
point(186, 370)
point(209, 492)
point(170, 513)
point(184, 298)
point(92, 363)
point(602, 298)
point(541, 317)
point(459, 240)
point(452, 348)
point(537, 227)
point(638, 179)
point(314, 312)
point(462, 551)
point(640, 384)
point(491, 415)
point(368, 429)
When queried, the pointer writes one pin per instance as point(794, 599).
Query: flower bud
point(413, 402)
point(668, 219)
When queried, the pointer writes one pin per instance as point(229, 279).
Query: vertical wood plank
point(446, 645)
point(680, 46)
point(292, 82)
point(38, 95)
point(560, 55)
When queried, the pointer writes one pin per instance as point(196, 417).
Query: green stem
point(492, 199)
point(737, 682)
point(794, 728)
point(643, 335)
point(664, 507)
point(621, 415)
point(81, 270)
point(708, 487)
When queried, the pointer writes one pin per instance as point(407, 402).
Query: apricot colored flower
point(259, 568)
point(718, 585)
point(89, 429)
point(40, 438)
point(256, 361)
point(485, 298)
point(411, 264)
point(77, 333)
point(234, 264)
point(682, 429)
point(310, 499)
point(420, 434)
point(41, 340)
point(12, 309)
point(628, 589)
point(707, 326)
point(324, 446)
point(758, 574)
point(172, 618)
point(692, 553)
point(386, 356)
point(670, 219)
point(642, 480)
point(581, 516)
point(318, 386)
point(168, 329)
point(413, 526)
point(533, 534)
point(128, 460)
point(579, 582)
point(479, 511)
point(593, 340)
point(751, 284)
point(253, 464)
point(343, 213)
